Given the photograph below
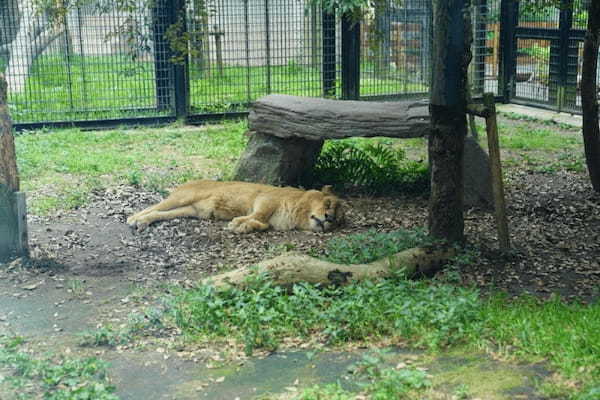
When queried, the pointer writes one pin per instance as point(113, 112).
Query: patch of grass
point(568, 334)
point(105, 336)
point(369, 246)
point(61, 168)
point(53, 378)
point(524, 137)
point(431, 316)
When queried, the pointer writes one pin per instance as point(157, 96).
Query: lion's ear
point(327, 189)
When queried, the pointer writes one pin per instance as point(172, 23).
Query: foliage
point(57, 378)
point(389, 383)
point(431, 316)
point(373, 167)
point(369, 246)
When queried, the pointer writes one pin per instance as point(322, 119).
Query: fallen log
point(290, 268)
point(317, 119)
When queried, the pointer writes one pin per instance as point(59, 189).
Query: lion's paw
point(246, 225)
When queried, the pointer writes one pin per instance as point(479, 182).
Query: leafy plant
point(374, 167)
point(54, 378)
point(369, 246)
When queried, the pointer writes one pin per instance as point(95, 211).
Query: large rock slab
point(310, 118)
point(276, 161)
point(287, 134)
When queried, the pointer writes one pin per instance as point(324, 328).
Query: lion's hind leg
point(157, 215)
point(169, 204)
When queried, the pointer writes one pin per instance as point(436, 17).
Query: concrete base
point(13, 226)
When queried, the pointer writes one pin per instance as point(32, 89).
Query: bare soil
point(554, 222)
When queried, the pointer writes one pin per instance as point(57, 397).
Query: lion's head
point(326, 210)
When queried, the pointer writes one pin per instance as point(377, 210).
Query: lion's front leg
point(247, 224)
point(258, 220)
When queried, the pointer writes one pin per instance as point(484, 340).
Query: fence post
point(350, 58)
point(509, 14)
point(329, 47)
point(181, 69)
point(171, 78)
point(558, 77)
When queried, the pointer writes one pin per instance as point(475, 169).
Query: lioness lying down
point(249, 206)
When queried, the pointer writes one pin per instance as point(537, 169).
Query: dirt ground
point(554, 222)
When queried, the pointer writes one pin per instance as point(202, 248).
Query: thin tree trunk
point(451, 56)
point(34, 36)
point(589, 96)
point(9, 178)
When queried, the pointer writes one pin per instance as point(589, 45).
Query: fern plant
point(371, 167)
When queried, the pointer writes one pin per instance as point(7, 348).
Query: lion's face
point(326, 211)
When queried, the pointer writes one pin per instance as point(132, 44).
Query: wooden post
point(13, 223)
point(491, 127)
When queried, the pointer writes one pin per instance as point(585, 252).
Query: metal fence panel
point(85, 66)
point(196, 58)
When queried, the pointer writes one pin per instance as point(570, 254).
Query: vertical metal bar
point(68, 60)
point(329, 73)
point(350, 58)
point(82, 55)
point(268, 45)
point(247, 48)
point(509, 14)
point(181, 82)
point(565, 24)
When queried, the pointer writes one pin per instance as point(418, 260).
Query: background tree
point(448, 101)
point(589, 94)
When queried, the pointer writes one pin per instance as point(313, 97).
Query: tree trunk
point(13, 223)
point(589, 95)
point(9, 177)
point(291, 268)
point(451, 57)
point(34, 36)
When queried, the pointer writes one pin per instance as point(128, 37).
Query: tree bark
point(291, 268)
point(589, 94)
point(9, 177)
point(451, 57)
point(316, 119)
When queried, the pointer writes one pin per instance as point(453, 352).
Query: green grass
point(107, 87)
point(52, 378)
point(60, 168)
point(371, 245)
point(430, 315)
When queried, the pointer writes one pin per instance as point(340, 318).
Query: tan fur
point(249, 206)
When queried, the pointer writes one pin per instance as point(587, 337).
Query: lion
point(250, 206)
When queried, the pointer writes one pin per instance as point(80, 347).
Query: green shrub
point(369, 246)
point(377, 168)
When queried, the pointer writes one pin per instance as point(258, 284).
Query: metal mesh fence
point(485, 19)
point(395, 49)
point(101, 62)
point(247, 49)
point(85, 66)
point(549, 54)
